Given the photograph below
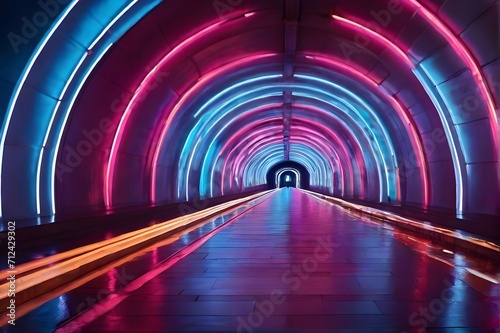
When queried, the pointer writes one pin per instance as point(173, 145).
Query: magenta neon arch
point(403, 113)
point(260, 139)
point(460, 49)
point(248, 147)
point(303, 140)
point(247, 144)
point(236, 137)
point(376, 164)
point(141, 89)
point(348, 157)
point(313, 142)
point(202, 82)
point(154, 173)
point(317, 142)
point(251, 146)
point(477, 75)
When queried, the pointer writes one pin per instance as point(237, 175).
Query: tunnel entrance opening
point(288, 179)
point(288, 174)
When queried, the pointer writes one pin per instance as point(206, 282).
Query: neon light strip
point(269, 141)
point(322, 144)
point(263, 108)
point(376, 156)
point(262, 140)
point(236, 137)
point(204, 122)
point(316, 146)
point(212, 142)
point(384, 131)
point(337, 140)
point(117, 17)
point(317, 142)
point(189, 169)
point(411, 128)
point(212, 126)
point(293, 85)
point(256, 79)
point(256, 135)
point(272, 152)
point(379, 37)
point(66, 116)
point(451, 142)
point(460, 48)
point(303, 152)
point(47, 133)
point(24, 76)
point(108, 184)
point(56, 110)
point(247, 152)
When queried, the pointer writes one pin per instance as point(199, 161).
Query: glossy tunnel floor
point(296, 264)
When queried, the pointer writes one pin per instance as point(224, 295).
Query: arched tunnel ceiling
point(117, 103)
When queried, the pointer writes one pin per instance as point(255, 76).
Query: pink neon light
point(177, 107)
point(235, 170)
point(256, 136)
point(108, 185)
point(244, 156)
point(466, 56)
point(339, 142)
point(325, 148)
point(364, 30)
point(257, 144)
point(415, 138)
point(246, 152)
point(237, 137)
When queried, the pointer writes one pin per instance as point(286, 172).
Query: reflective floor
point(290, 264)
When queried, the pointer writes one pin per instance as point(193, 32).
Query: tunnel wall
point(103, 120)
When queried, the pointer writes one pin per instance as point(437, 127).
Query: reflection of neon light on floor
point(455, 261)
point(84, 259)
point(116, 298)
point(482, 275)
point(403, 221)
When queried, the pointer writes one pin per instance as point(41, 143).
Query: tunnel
point(299, 175)
point(119, 115)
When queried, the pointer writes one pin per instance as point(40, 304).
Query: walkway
point(295, 264)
